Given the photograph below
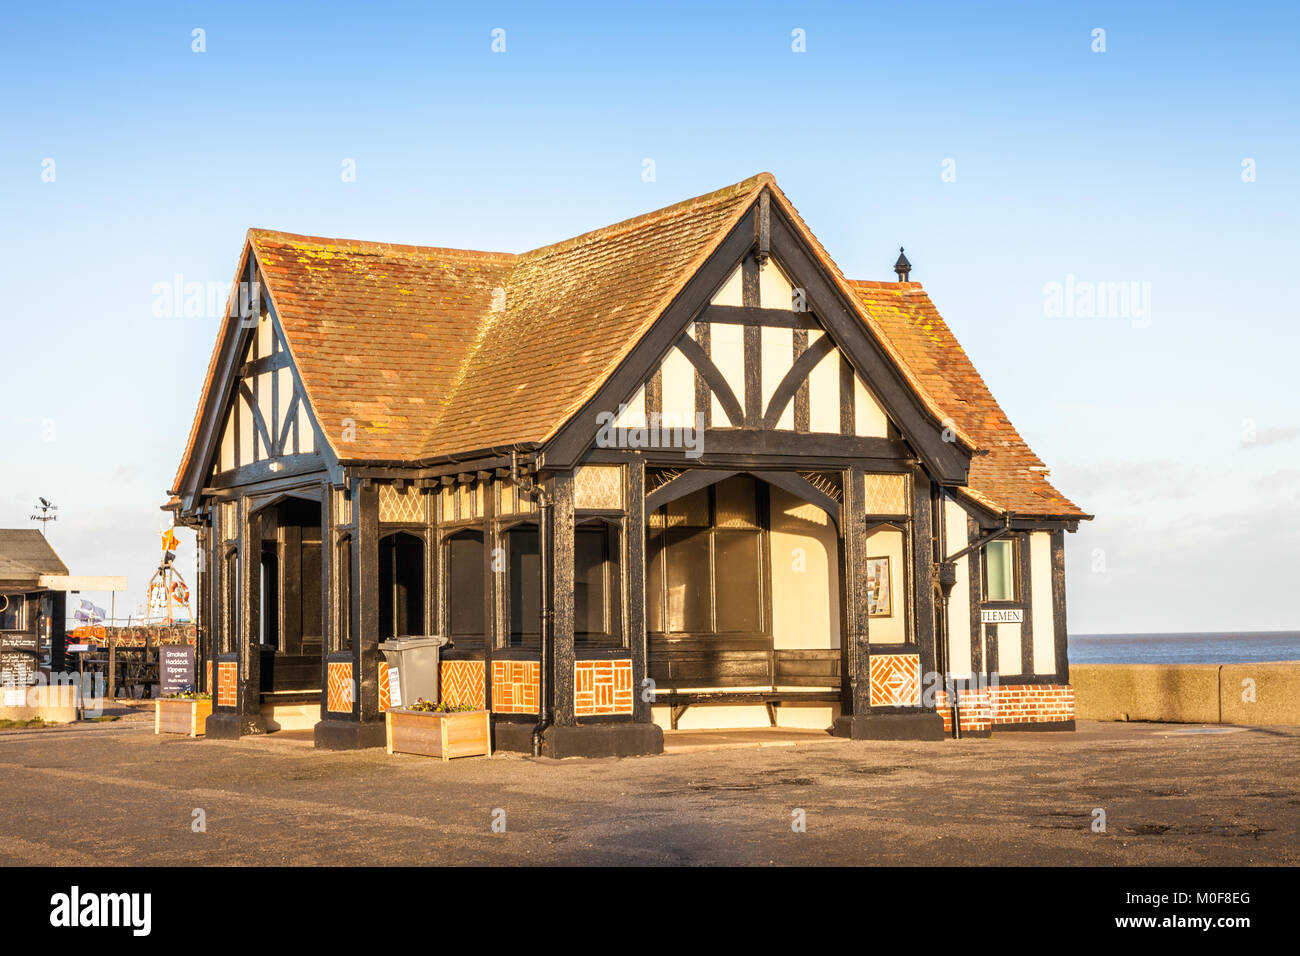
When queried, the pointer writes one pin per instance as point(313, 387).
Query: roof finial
point(902, 266)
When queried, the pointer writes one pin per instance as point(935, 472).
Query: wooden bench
point(680, 701)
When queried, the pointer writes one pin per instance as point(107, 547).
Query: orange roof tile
point(425, 349)
point(1002, 479)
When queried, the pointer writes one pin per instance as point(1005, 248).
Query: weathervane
point(45, 515)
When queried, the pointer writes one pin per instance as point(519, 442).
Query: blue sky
point(1179, 429)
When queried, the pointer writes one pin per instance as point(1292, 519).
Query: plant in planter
point(429, 707)
point(439, 730)
point(185, 712)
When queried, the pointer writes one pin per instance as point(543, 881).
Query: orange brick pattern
point(1031, 703)
point(895, 680)
point(515, 687)
point(602, 687)
point(973, 704)
point(463, 682)
point(227, 678)
point(338, 697)
point(207, 676)
point(385, 697)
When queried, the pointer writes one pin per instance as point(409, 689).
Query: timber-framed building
point(677, 472)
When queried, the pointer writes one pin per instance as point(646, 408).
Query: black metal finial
point(902, 266)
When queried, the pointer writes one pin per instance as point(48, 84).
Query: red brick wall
point(1009, 704)
point(1032, 703)
point(974, 708)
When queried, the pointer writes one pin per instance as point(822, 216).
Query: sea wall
point(1255, 694)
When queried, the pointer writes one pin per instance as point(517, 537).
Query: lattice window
point(886, 495)
point(406, 506)
point(598, 486)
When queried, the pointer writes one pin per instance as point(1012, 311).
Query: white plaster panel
point(777, 347)
point(1040, 589)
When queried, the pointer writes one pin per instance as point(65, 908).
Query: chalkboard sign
point(17, 668)
point(19, 642)
point(175, 668)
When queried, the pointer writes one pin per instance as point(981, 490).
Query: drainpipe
point(945, 573)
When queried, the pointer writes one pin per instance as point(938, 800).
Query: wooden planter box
point(178, 716)
point(466, 734)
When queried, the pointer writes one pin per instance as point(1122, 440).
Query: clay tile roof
point(424, 348)
point(1002, 479)
point(25, 555)
point(380, 333)
point(433, 352)
point(572, 311)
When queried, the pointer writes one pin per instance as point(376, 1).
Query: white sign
point(1012, 615)
point(77, 648)
point(394, 687)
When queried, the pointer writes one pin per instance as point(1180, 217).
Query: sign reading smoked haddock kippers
point(175, 668)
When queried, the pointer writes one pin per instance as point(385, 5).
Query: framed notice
point(879, 603)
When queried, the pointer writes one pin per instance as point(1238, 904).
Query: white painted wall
point(881, 543)
point(633, 416)
point(678, 389)
point(870, 420)
point(805, 574)
point(1008, 662)
point(1040, 577)
point(959, 633)
point(732, 291)
point(774, 291)
point(824, 391)
point(727, 349)
point(777, 347)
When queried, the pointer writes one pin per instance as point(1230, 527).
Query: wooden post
point(250, 654)
point(491, 586)
point(112, 667)
point(365, 602)
point(328, 597)
point(634, 561)
point(562, 544)
point(857, 661)
point(924, 612)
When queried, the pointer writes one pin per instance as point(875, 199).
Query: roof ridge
point(885, 285)
point(647, 218)
point(365, 245)
point(675, 209)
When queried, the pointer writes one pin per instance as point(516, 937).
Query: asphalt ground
point(114, 794)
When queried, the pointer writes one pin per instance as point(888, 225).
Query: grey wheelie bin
point(414, 662)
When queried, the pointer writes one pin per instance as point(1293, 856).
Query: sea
point(1229, 647)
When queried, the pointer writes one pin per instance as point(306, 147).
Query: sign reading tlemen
point(1011, 615)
